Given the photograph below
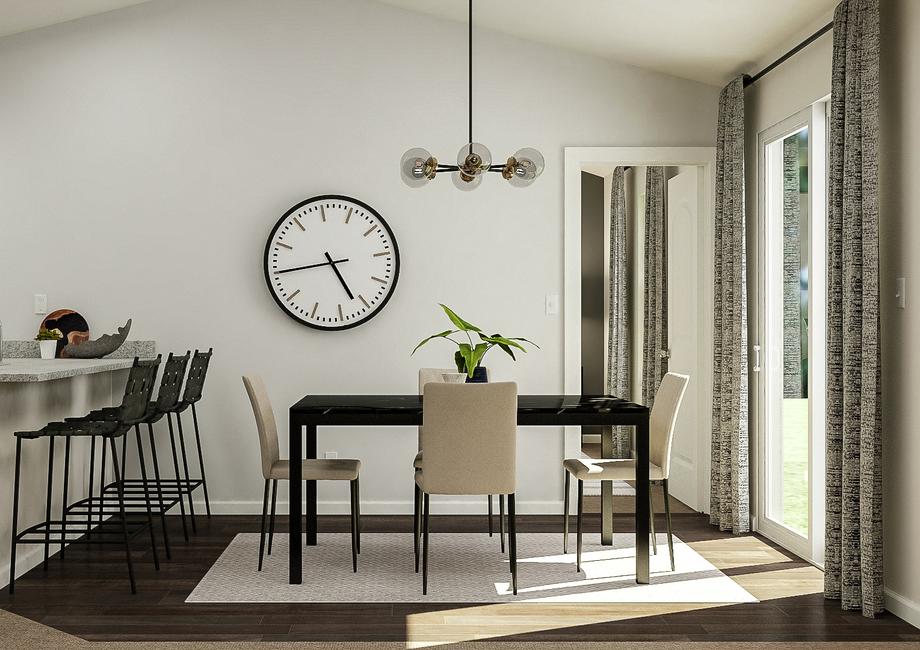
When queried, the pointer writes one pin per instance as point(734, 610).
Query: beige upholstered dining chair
point(274, 469)
point(436, 376)
point(469, 438)
point(661, 434)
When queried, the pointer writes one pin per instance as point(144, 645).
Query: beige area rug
point(18, 633)
point(464, 568)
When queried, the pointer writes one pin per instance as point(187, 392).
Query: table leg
point(642, 501)
point(311, 488)
point(607, 490)
point(295, 548)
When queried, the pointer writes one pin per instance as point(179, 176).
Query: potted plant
point(469, 354)
point(48, 341)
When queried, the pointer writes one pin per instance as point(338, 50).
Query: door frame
point(810, 548)
point(576, 158)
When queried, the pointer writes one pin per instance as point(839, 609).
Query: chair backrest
point(429, 376)
point(196, 374)
point(663, 418)
point(138, 390)
point(265, 422)
point(171, 382)
point(470, 438)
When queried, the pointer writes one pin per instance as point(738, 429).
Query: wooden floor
point(87, 595)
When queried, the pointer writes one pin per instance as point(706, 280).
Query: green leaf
point(439, 335)
point(498, 339)
point(460, 363)
point(508, 350)
point(475, 357)
point(525, 341)
point(457, 321)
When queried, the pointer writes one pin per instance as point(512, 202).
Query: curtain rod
point(748, 79)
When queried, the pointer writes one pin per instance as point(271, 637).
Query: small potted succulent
point(469, 354)
point(48, 341)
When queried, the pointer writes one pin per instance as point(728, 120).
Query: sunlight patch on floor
point(482, 622)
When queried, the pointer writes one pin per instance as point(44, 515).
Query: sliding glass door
point(790, 353)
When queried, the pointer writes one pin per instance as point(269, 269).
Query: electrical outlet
point(900, 292)
point(552, 304)
point(40, 303)
point(330, 455)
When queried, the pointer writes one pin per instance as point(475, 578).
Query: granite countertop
point(33, 370)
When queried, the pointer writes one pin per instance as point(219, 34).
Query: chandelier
point(418, 166)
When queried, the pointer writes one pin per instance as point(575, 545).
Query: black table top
point(407, 409)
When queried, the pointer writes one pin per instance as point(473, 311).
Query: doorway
point(790, 353)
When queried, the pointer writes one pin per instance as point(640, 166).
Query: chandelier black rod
point(471, 74)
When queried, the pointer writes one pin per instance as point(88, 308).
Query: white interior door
point(683, 328)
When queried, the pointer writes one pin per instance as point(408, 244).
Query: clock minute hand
point(332, 263)
point(312, 266)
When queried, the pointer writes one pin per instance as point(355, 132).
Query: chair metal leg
point(191, 501)
point(143, 468)
point(667, 515)
point(512, 542)
point(580, 509)
point(158, 479)
point(102, 467)
point(651, 520)
point(358, 512)
point(427, 511)
point(92, 474)
point(120, 483)
point(15, 524)
point(417, 521)
point(64, 494)
point(501, 520)
point(51, 441)
point(489, 499)
point(262, 528)
point(204, 480)
point(172, 444)
point(271, 524)
point(354, 526)
point(565, 513)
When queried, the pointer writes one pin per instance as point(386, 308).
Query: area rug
point(464, 568)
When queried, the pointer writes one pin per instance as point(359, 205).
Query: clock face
point(331, 262)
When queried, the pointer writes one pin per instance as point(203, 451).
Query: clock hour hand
point(333, 263)
point(311, 266)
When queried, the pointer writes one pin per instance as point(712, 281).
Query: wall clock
point(331, 262)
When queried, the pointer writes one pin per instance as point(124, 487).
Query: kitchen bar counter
point(35, 370)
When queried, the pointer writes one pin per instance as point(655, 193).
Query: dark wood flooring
point(87, 595)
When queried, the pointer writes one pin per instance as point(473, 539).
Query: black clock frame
point(292, 210)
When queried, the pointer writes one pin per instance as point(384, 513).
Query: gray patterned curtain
point(853, 535)
point(655, 336)
point(729, 486)
point(619, 314)
point(792, 271)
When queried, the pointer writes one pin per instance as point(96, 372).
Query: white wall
point(148, 152)
point(900, 241)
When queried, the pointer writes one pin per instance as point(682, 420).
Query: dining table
point(311, 412)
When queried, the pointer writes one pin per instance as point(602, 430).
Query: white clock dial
point(331, 262)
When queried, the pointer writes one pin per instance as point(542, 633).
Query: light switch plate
point(900, 292)
point(552, 304)
point(331, 455)
point(40, 303)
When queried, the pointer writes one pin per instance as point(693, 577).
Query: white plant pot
point(48, 349)
point(453, 377)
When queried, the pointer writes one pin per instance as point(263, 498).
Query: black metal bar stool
point(115, 524)
point(165, 491)
point(194, 387)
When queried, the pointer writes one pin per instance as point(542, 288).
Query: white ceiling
point(704, 40)
point(22, 15)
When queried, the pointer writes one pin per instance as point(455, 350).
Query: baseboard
point(27, 558)
point(439, 506)
point(902, 607)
